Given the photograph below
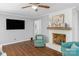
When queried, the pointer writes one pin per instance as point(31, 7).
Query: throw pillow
point(74, 46)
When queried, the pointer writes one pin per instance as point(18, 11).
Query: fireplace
point(58, 38)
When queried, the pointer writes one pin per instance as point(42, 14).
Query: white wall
point(75, 19)
point(78, 24)
point(9, 36)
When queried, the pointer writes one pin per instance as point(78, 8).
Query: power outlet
point(15, 39)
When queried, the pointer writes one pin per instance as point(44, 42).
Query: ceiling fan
point(36, 5)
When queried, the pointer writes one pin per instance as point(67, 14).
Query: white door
point(37, 27)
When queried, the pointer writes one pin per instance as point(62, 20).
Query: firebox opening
point(59, 38)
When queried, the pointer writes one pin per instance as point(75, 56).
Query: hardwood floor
point(27, 49)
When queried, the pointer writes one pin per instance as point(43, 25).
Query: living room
point(56, 22)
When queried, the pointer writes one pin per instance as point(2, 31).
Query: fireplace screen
point(58, 38)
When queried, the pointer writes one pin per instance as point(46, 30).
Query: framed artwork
point(58, 21)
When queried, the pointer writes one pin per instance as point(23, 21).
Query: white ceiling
point(15, 8)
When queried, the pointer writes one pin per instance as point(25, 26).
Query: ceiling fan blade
point(26, 6)
point(44, 6)
point(34, 3)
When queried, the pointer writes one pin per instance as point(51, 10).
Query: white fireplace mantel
point(59, 28)
point(54, 46)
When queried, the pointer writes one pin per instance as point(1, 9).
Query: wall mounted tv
point(12, 24)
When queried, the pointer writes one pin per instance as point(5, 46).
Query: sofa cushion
point(70, 52)
point(71, 49)
point(67, 44)
point(77, 43)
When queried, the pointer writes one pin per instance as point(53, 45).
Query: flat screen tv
point(12, 24)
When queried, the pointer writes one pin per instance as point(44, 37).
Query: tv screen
point(15, 24)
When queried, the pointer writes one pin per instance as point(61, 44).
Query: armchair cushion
point(39, 41)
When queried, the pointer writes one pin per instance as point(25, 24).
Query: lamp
point(35, 7)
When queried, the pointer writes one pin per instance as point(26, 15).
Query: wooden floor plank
point(27, 48)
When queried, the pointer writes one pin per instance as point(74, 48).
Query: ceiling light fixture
point(35, 7)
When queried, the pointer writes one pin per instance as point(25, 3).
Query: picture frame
point(58, 21)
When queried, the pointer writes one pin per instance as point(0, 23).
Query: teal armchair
point(39, 41)
point(67, 49)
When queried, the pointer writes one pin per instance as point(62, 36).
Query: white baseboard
point(15, 42)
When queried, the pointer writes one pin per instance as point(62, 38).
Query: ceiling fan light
point(34, 7)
